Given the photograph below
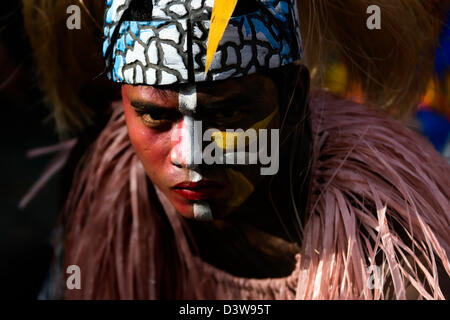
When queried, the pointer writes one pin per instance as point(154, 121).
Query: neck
point(257, 240)
point(260, 238)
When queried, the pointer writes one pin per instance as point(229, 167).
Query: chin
point(184, 209)
point(188, 214)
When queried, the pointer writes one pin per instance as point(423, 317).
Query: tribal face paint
point(187, 145)
point(161, 124)
point(190, 61)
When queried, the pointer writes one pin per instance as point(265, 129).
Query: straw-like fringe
point(380, 198)
point(108, 205)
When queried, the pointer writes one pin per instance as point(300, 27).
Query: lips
point(201, 190)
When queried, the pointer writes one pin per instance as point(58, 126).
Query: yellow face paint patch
point(242, 188)
point(228, 140)
point(221, 15)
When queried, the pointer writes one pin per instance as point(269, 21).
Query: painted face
point(163, 122)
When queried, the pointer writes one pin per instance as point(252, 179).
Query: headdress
point(161, 42)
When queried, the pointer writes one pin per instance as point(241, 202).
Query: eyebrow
point(145, 106)
point(233, 101)
point(236, 100)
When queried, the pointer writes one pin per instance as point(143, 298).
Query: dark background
point(25, 251)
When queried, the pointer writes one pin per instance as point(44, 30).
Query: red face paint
point(158, 137)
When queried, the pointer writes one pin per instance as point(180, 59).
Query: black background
point(25, 250)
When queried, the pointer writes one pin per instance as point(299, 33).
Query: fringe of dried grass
point(380, 197)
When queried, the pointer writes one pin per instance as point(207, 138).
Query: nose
point(185, 144)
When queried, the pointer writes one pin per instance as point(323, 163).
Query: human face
point(160, 125)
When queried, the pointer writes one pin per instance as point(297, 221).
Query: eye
point(151, 122)
point(158, 118)
point(229, 115)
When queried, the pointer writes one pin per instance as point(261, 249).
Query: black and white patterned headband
point(162, 42)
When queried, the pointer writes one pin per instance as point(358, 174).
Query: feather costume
point(380, 197)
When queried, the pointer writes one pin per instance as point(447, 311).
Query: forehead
point(255, 87)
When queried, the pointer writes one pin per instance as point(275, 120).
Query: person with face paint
point(220, 176)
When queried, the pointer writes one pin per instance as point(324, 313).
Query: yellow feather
point(221, 15)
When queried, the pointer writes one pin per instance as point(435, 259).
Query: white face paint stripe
point(187, 142)
point(202, 211)
point(187, 100)
point(194, 176)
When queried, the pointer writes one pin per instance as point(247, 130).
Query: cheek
point(151, 146)
point(241, 187)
